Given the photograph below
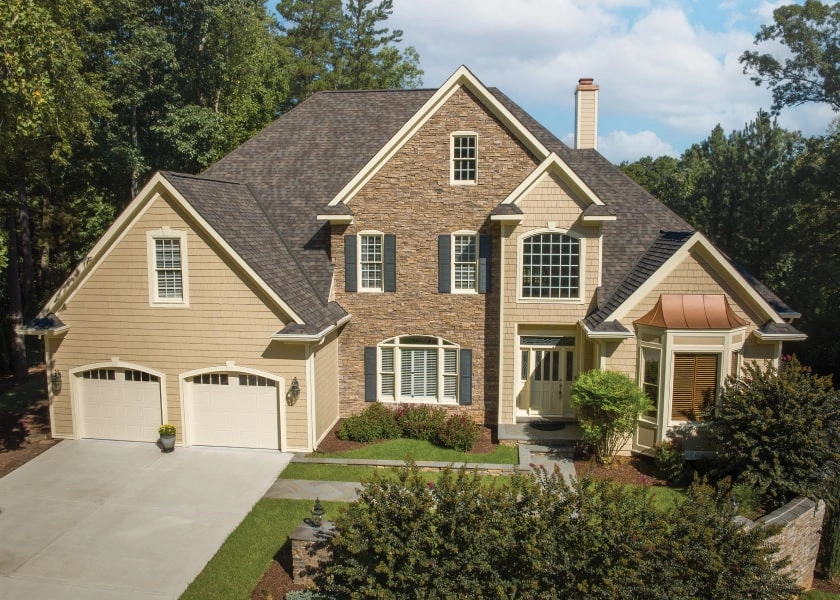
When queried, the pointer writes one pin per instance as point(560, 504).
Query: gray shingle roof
point(264, 197)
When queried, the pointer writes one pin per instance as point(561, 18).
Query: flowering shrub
point(459, 432)
point(166, 430)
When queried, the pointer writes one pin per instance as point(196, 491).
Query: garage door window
point(211, 379)
point(140, 376)
point(256, 381)
point(109, 374)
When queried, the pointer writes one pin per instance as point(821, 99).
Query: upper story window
point(465, 263)
point(167, 267)
point(370, 259)
point(551, 266)
point(464, 158)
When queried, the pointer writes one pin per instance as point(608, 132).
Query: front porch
point(543, 432)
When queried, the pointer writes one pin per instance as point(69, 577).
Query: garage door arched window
point(418, 369)
point(550, 266)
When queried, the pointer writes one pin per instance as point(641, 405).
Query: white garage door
point(231, 409)
point(119, 404)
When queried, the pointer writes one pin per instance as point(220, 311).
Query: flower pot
point(167, 443)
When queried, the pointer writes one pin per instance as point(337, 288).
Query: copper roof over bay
point(692, 311)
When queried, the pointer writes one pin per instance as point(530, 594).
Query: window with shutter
point(695, 385)
point(418, 368)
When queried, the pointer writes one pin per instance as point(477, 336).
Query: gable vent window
point(464, 158)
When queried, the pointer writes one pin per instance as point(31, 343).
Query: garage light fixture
point(55, 381)
point(294, 392)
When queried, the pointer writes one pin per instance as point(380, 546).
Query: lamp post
point(317, 513)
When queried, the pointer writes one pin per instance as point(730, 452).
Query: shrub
point(670, 462)
point(461, 539)
point(310, 595)
point(376, 422)
point(459, 432)
point(420, 421)
point(608, 405)
point(777, 430)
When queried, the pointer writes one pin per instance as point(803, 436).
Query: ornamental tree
point(608, 405)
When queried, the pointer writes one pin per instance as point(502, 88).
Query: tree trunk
point(19, 367)
point(135, 140)
point(28, 284)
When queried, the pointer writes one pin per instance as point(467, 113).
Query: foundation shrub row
point(411, 421)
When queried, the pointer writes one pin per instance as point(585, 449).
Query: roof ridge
point(201, 177)
point(375, 90)
point(323, 301)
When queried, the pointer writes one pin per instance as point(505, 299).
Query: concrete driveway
point(102, 520)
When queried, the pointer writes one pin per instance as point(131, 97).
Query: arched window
point(550, 266)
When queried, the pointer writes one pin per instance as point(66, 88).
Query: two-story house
point(433, 245)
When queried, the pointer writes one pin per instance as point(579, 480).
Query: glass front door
point(547, 374)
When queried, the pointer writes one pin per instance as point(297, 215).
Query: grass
point(817, 595)
point(400, 449)
point(241, 561)
point(318, 472)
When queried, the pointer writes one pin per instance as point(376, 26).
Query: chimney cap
point(587, 83)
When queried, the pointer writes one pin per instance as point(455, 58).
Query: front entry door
point(548, 367)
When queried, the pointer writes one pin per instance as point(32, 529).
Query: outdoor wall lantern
point(55, 381)
point(294, 392)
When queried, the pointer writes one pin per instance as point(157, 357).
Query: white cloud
point(619, 146)
point(668, 69)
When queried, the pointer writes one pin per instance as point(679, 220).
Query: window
point(551, 266)
point(465, 267)
point(464, 159)
point(108, 374)
point(167, 267)
point(418, 369)
point(211, 379)
point(132, 375)
point(651, 358)
point(370, 256)
point(695, 386)
point(256, 381)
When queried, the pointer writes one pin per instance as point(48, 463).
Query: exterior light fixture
point(317, 513)
point(55, 381)
point(294, 392)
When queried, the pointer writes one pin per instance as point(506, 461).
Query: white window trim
point(640, 377)
point(167, 233)
point(452, 180)
point(520, 265)
point(359, 278)
point(474, 289)
point(442, 345)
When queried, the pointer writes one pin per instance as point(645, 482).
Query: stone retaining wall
point(802, 521)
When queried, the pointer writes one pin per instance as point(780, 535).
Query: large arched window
point(550, 266)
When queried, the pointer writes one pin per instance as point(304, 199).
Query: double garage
point(221, 408)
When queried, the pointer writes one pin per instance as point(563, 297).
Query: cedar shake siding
point(412, 198)
point(227, 320)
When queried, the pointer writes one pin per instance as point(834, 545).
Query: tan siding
point(227, 320)
point(549, 204)
point(326, 386)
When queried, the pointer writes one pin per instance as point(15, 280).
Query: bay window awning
point(692, 311)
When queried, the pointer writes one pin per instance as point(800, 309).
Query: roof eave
point(50, 332)
point(337, 219)
point(780, 337)
point(309, 338)
point(516, 219)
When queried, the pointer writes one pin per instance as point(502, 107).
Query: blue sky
point(668, 71)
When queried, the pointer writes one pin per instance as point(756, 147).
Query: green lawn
point(400, 449)
point(241, 561)
point(815, 595)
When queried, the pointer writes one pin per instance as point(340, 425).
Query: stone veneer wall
point(802, 521)
point(311, 551)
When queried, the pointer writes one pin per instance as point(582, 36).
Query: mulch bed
point(25, 433)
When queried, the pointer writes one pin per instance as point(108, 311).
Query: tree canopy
point(811, 72)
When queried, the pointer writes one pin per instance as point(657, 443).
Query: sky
point(667, 70)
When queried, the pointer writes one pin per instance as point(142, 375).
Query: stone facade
point(413, 198)
point(311, 551)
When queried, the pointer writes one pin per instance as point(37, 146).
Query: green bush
point(608, 404)
point(376, 422)
point(459, 432)
point(420, 421)
point(310, 595)
point(778, 430)
point(536, 538)
point(670, 462)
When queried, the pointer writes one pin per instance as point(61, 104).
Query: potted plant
point(167, 437)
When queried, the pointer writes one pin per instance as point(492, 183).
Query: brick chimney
point(586, 114)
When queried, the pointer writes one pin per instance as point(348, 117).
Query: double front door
point(547, 374)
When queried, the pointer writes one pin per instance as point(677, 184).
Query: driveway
point(102, 520)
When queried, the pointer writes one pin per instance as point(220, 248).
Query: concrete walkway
point(103, 520)
point(346, 491)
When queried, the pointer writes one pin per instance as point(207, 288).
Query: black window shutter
point(444, 264)
point(370, 374)
point(390, 262)
point(465, 383)
point(350, 277)
point(485, 259)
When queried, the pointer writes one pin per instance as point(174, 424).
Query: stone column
point(311, 551)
